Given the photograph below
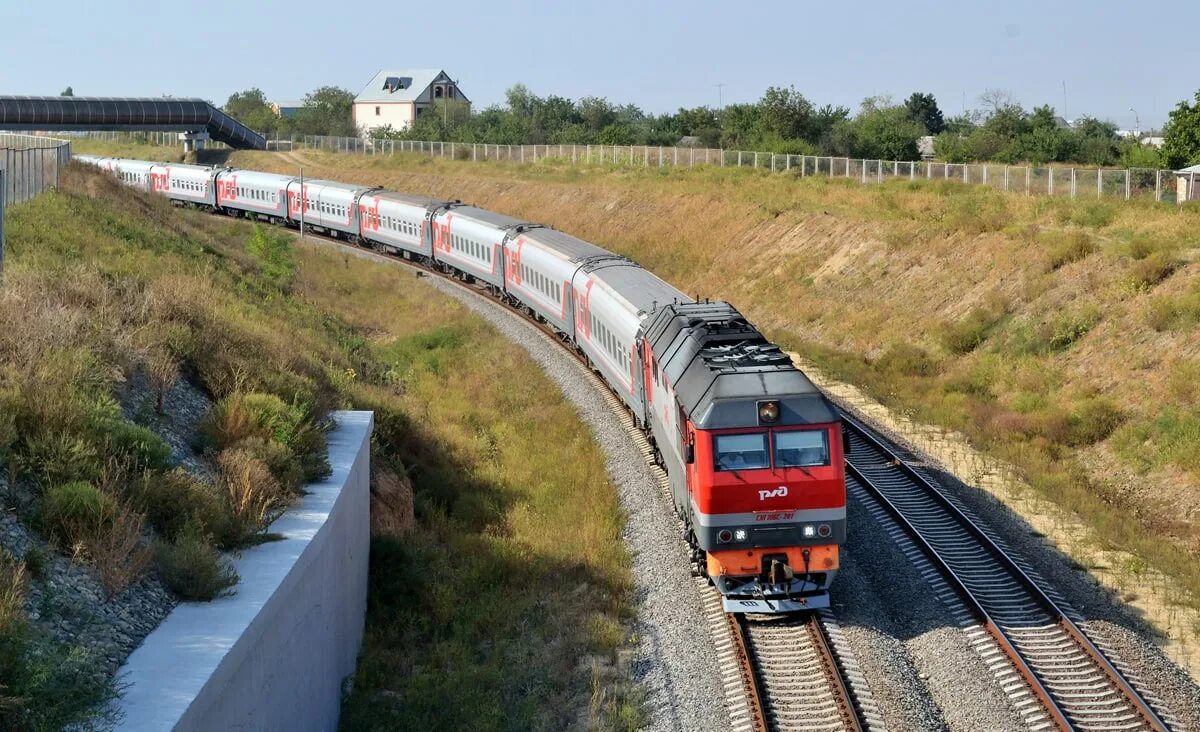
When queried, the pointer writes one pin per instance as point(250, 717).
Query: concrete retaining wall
point(273, 656)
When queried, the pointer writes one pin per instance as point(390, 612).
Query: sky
point(1110, 54)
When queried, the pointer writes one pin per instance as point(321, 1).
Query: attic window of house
point(396, 83)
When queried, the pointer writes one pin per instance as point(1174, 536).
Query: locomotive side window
point(740, 452)
point(801, 449)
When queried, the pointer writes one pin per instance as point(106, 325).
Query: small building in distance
point(287, 108)
point(1187, 184)
point(396, 97)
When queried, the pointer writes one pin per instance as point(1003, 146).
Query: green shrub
point(74, 512)
point(137, 447)
point(192, 568)
point(172, 500)
point(1068, 327)
point(967, 334)
point(1092, 214)
point(1071, 247)
point(279, 460)
point(35, 562)
point(906, 360)
point(311, 448)
point(273, 252)
point(1094, 420)
point(1154, 268)
point(59, 457)
point(242, 415)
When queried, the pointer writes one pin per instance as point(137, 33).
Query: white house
point(397, 97)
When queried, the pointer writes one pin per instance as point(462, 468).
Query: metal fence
point(1061, 181)
point(1066, 182)
point(29, 164)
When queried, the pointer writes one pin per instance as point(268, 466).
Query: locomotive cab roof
point(721, 367)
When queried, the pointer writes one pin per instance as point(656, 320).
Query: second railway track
point(1054, 674)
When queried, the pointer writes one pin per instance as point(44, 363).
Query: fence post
point(1128, 184)
point(879, 170)
point(912, 171)
point(691, 157)
point(3, 192)
point(772, 162)
point(1027, 180)
point(1050, 182)
point(756, 160)
point(739, 158)
point(1073, 183)
point(1006, 178)
point(1158, 186)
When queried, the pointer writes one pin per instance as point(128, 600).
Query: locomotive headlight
point(724, 535)
point(824, 531)
point(768, 412)
point(739, 535)
point(809, 531)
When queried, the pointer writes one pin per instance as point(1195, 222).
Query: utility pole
point(1137, 124)
point(302, 203)
point(720, 97)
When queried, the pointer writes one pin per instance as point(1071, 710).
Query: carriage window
point(740, 452)
point(801, 449)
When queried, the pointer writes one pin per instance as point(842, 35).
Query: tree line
point(783, 120)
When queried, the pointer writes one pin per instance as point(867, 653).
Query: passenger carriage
point(612, 297)
point(194, 184)
point(263, 195)
point(471, 240)
point(398, 223)
point(133, 173)
point(327, 206)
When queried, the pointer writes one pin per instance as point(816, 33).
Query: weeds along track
point(778, 673)
point(1054, 675)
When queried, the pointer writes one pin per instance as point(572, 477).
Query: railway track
point(778, 674)
point(1054, 674)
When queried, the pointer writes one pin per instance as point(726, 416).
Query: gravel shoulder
point(1108, 621)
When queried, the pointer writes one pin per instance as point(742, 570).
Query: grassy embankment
point(511, 589)
point(1057, 335)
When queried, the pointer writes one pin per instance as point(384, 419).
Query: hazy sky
point(1112, 54)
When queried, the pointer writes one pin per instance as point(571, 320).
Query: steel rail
point(1007, 564)
point(747, 671)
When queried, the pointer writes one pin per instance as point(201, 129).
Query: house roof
point(1193, 169)
point(289, 103)
point(411, 87)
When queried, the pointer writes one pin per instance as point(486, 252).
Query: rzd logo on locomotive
point(779, 492)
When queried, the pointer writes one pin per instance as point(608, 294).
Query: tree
point(251, 108)
point(1181, 143)
point(784, 113)
point(68, 92)
point(923, 109)
point(327, 111)
point(886, 132)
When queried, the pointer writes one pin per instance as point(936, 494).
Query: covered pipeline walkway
point(193, 116)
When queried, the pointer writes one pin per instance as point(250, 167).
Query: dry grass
point(98, 276)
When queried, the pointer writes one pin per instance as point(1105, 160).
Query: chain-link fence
point(29, 164)
point(1033, 180)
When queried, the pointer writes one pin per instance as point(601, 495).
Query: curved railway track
point(778, 674)
point(1054, 674)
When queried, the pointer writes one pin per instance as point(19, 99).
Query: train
point(753, 451)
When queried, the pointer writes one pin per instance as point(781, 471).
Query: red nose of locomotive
point(769, 513)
